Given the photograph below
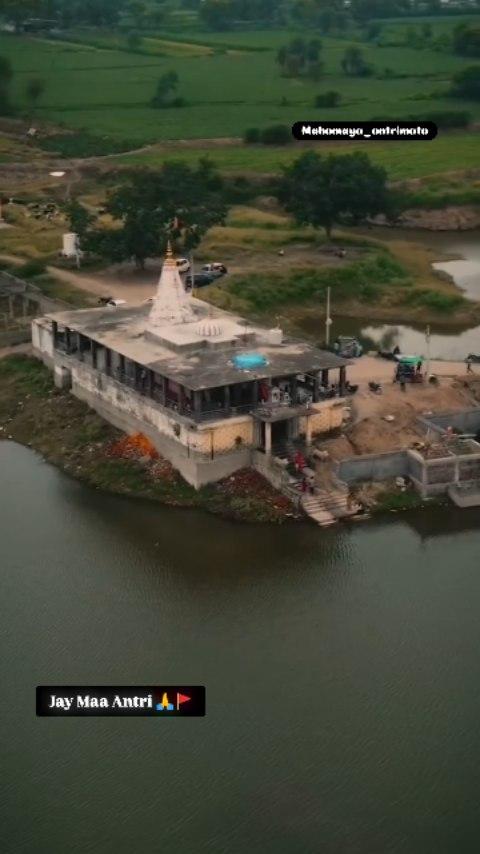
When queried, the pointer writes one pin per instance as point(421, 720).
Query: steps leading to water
point(314, 507)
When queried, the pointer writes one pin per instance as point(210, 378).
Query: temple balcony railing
point(209, 412)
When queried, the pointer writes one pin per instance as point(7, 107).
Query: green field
point(106, 90)
point(448, 153)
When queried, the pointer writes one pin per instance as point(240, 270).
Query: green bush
point(435, 300)
point(328, 99)
point(446, 118)
point(252, 136)
point(83, 144)
point(35, 267)
point(466, 83)
point(442, 118)
point(276, 135)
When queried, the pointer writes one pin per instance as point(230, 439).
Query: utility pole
point(328, 320)
point(427, 340)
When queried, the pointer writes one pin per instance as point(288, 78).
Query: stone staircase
point(314, 507)
point(330, 500)
point(326, 508)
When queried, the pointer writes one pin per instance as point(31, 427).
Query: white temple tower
point(171, 304)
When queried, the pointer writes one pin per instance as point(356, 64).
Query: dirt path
point(18, 348)
point(381, 370)
point(131, 285)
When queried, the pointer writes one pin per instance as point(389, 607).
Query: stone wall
point(467, 421)
point(434, 477)
point(375, 467)
point(326, 416)
point(228, 435)
point(197, 469)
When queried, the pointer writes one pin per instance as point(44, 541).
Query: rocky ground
point(387, 422)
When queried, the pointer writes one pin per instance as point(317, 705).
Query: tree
point(427, 31)
point(328, 99)
point(252, 136)
point(216, 14)
point(354, 64)
point(79, 219)
point(34, 91)
point(134, 41)
point(466, 83)
point(6, 75)
point(322, 191)
point(300, 58)
point(366, 10)
point(466, 40)
point(373, 31)
point(276, 135)
point(166, 87)
point(179, 203)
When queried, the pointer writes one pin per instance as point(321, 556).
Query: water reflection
point(447, 342)
point(464, 270)
point(341, 670)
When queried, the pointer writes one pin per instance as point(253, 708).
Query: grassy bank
point(383, 275)
point(401, 160)
point(73, 437)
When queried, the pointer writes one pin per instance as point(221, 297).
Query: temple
point(212, 391)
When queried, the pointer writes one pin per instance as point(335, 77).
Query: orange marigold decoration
point(133, 448)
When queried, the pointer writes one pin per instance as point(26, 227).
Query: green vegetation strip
point(403, 160)
point(363, 280)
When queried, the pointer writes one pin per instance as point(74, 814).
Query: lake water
point(446, 342)
point(342, 674)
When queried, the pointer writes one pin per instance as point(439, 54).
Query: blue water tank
point(249, 361)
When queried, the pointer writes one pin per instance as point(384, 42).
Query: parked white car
point(183, 265)
point(116, 303)
point(215, 268)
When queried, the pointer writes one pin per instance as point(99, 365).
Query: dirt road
point(18, 348)
point(134, 286)
point(368, 368)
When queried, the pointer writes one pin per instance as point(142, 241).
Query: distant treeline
point(96, 13)
point(328, 16)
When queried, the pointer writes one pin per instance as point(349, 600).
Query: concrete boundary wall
point(195, 471)
point(374, 467)
point(467, 421)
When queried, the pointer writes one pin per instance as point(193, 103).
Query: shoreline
point(66, 433)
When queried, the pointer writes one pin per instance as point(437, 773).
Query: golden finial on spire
point(169, 260)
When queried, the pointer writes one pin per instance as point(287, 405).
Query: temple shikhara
point(213, 392)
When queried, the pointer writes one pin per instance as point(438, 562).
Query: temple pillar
point(54, 332)
point(308, 431)
point(197, 402)
point(325, 377)
point(343, 380)
point(268, 437)
point(226, 397)
point(294, 389)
